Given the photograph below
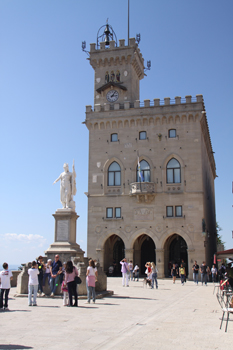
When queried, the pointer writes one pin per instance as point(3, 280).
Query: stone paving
point(171, 317)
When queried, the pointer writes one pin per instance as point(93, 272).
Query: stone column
point(100, 256)
point(160, 262)
point(129, 254)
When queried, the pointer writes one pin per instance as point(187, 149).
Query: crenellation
point(199, 98)
point(132, 42)
point(126, 105)
point(97, 108)
point(156, 101)
point(178, 100)
point(188, 98)
point(122, 42)
point(112, 44)
point(106, 107)
point(167, 101)
point(102, 45)
point(92, 47)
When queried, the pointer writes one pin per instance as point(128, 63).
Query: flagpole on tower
point(128, 22)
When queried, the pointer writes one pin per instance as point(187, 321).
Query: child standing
point(64, 289)
point(5, 277)
point(33, 284)
point(174, 272)
point(182, 274)
point(136, 272)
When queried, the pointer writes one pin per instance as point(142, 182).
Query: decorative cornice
point(110, 84)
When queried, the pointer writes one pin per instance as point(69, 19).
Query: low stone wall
point(101, 284)
point(15, 276)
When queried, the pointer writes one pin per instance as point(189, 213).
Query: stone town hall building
point(169, 214)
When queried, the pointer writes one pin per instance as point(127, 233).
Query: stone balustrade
point(142, 188)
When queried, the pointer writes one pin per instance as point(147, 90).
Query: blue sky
point(46, 82)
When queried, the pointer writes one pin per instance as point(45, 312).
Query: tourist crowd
point(66, 275)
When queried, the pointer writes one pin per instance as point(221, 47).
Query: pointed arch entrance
point(175, 250)
point(144, 251)
point(114, 252)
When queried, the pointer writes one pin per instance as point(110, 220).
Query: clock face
point(112, 96)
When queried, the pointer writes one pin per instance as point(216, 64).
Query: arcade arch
point(114, 252)
point(144, 251)
point(175, 250)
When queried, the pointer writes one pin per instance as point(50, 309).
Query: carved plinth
point(65, 236)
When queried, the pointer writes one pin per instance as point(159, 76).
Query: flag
point(139, 170)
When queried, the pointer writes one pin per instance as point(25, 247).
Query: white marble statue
point(67, 187)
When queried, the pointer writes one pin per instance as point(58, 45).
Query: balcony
point(144, 191)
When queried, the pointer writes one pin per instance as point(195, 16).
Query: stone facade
point(161, 219)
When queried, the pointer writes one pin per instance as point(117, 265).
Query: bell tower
point(118, 69)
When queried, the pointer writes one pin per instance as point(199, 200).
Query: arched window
point(114, 174)
point(173, 171)
point(145, 172)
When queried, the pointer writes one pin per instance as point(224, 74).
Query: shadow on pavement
point(110, 304)
point(15, 347)
point(14, 311)
point(128, 297)
point(50, 306)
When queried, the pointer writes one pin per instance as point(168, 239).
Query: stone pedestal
point(65, 236)
point(101, 283)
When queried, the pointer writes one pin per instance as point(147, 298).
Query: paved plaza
point(171, 317)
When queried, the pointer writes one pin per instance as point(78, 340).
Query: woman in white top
point(33, 284)
point(47, 273)
point(91, 278)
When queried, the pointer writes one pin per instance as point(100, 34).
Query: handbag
point(78, 280)
point(64, 287)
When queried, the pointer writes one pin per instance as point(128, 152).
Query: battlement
point(112, 45)
point(167, 101)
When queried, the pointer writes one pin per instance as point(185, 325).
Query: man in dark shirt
point(195, 272)
point(56, 270)
point(40, 265)
point(203, 270)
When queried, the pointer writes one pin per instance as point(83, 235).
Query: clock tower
point(118, 70)
point(151, 168)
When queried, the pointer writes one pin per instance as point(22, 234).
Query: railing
point(142, 187)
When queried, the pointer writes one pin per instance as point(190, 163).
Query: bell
point(106, 32)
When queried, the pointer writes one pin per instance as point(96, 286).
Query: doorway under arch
point(175, 250)
point(114, 252)
point(144, 251)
